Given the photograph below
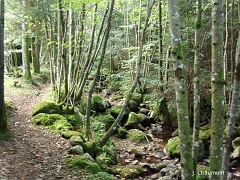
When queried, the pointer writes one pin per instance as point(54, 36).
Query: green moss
point(107, 119)
point(205, 134)
point(133, 121)
point(5, 135)
point(130, 171)
point(46, 119)
point(137, 136)
point(117, 109)
point(92, 148)
point(81, 162)
point(173, 148)
point(69, 134)
point(137, 98)
point(99, 176)
point(75, 120)
point(201, 172)
point(61, 124)
point(122, 132)
point(46, 107)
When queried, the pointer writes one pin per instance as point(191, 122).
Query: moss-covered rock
point(115, 110)
point(122, 132)
point(81, 162)
point(173, 148)
point(46, 119)
point(92, 148)
point(61, 124)
point(76, 140)
point(236, 153)
point(100, 105)
point(137, 136)
point(137, 98)
point(133, 121)
point(69, 134)
point(75, 120)
point(46, 107)
point(107, 119)
point(130, 171)
point(133, 106)
point(236, 143)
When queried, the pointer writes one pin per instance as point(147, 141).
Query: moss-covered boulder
point(100, 105)
point(69, 134)
point(92, 148)
point(75, 120)
point(133, 106)
point(133, 121)
point(130, 171)
point(173, 148)
point(115, 110)
point(106, 119)
point(122, 132)
point(61, 125)
point(46, 119)
point(137, 136)
point(236, 153)
point(81, 162)
point(137, 98)
point(236, 143)
point(46, 107)
point(76, 140)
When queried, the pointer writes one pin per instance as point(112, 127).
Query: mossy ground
point(81, 162)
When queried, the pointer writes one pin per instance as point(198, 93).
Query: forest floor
point(34, 153)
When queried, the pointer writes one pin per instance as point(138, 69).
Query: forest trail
point(34, 153)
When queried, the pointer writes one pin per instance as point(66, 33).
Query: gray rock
point(159, 154)
point(166, 171)
point(89, 157)
point(78, 150)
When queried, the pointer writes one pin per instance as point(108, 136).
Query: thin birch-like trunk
point(181, 92)
point(196, 116)
point(217, 89)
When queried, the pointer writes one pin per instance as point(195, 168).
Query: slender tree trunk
point(116, 123)
point(3, 119)
point(96, 77)
point(196, 87)
point(217, 87)
point(181, 92)
point(233, 109)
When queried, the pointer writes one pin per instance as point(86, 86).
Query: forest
point(118, 89)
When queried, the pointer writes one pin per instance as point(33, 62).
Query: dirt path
point(34, 153)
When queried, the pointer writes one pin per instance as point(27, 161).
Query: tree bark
point(217, 88)
point(3, 119)
point(196, 116)
point(181, 93)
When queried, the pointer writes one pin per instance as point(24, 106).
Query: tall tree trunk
point(116, 123)
point(181, 93)
point(196, 116)
point(233, 108)
point(217, 87)
point(3, 119)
